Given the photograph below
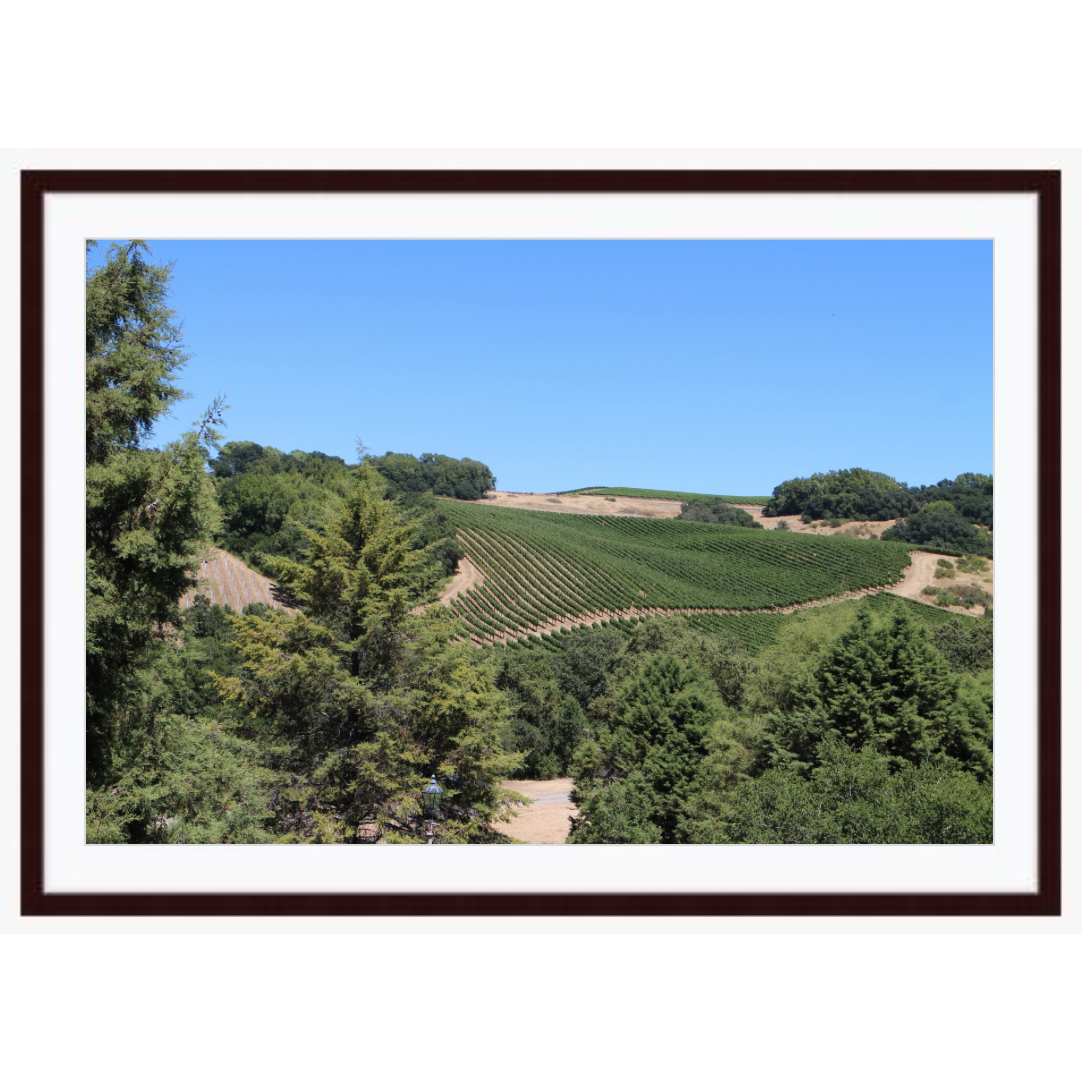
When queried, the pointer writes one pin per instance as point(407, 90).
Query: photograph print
point(546, 542)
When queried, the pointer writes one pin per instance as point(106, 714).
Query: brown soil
point(545, 821)
point(585, 504)
point(850, 529)
point(921, 573)
point(467, 576)
point(225, 580)
point(639, 507)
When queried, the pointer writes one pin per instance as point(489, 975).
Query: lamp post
point(431, 794)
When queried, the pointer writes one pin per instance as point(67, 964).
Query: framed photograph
point(829, 313)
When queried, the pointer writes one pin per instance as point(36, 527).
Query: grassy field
point(539, 568)
point(664, 494)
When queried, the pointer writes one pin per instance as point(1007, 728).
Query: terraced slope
point(541, 569)
point(225, 580)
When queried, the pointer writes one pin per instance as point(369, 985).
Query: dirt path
point(921, 573)
point(465, 577)
point(863, 528)
point(545, 821)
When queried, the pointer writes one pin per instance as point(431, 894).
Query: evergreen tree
point(890, 689)
point(146, 510)
point(154, 771)
point(364, 702)
point(648, 764)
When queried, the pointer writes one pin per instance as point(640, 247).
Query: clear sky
point(703, 366)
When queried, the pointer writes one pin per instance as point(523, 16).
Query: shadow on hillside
point(283, 597)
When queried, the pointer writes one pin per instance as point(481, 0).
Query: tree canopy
point(363, 702)
point(633, 783)
point(717, 511)
point(865, 494)
point(462, 478)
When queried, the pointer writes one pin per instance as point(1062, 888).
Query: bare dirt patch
point(225, 580)
point(921, 573)
point(863, 528)
point(467, 576)
point(584, 504)
point(546, 820)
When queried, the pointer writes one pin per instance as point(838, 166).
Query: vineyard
point(540, 569)
point(662, 494)
point(755, 630)
point(225, 580)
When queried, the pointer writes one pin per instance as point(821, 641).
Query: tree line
point(945, 515)
point(858, 724)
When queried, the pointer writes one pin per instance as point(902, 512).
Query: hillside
point(665, 494)
point(225, 580)
point(539, 569)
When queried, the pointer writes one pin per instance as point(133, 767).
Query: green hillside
point(539, 566)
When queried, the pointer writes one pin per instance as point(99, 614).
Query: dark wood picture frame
point(1045, 185)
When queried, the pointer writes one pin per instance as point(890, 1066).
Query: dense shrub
point(966, 644)
point(717, 511)
point(462, 478)
point(854, 797)
point(865, 494)
point(939, 525)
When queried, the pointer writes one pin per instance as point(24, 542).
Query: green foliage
point(865, 494)
point(266, 510)
point(959, 594)
point(716, 511)
point(849, 494)
point(886, 687)
point(855, 797)
point(272, 502)
point(463, 479)
point(583, 667)
point(362, 702)
point(539, 566)
point(241, 457)
point(634, 784)
point(184, 780)
point(965, 644)
point(973, 565)
point(970, 494)
point(147, 510)
point(545, 724)
point(939, 525)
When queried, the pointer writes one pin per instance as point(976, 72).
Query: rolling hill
point(538, 570)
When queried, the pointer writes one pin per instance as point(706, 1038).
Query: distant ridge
point(665, 494)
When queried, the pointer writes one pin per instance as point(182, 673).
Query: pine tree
point(363, 701)
point(146, 511)
point(887, 688)
point(155, 772)
point(635, 784)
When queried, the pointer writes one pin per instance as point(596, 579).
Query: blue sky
point(705, 366)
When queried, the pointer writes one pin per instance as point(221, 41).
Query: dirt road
point(545, 821)
point(921, 573)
